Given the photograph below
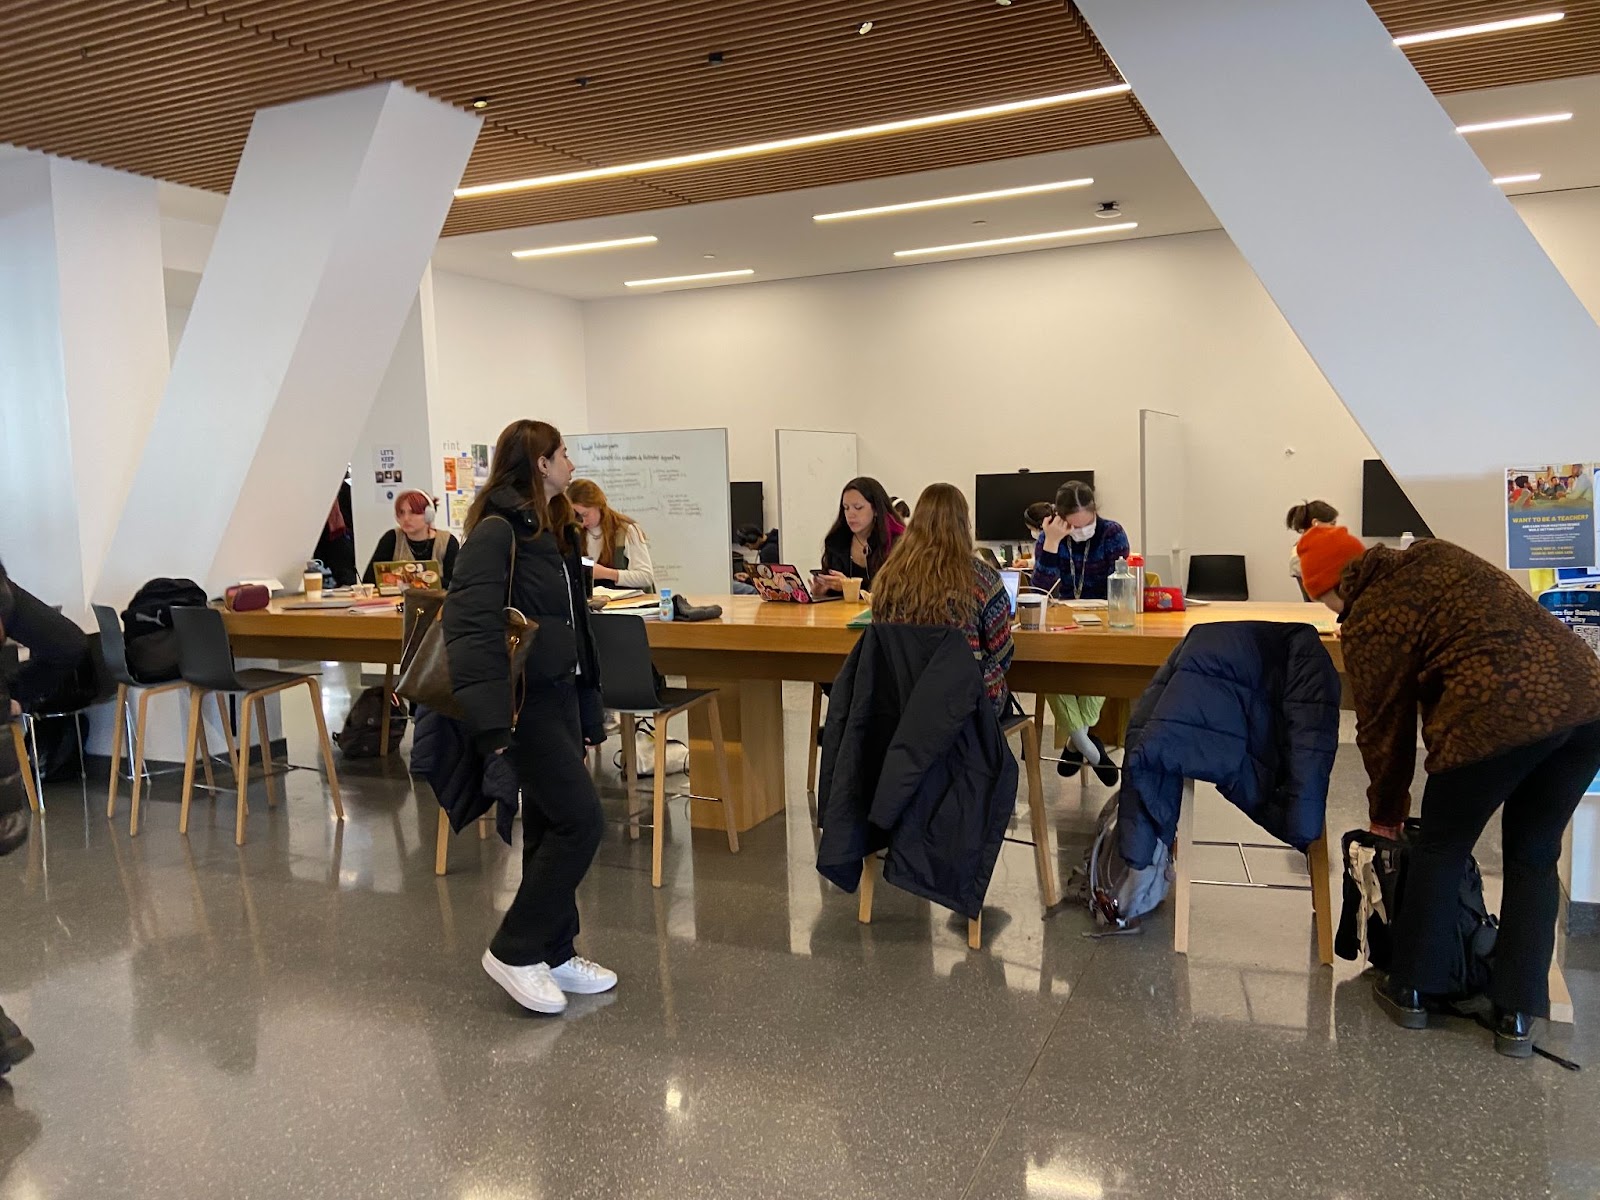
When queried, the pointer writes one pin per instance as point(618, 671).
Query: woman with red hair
point(415, 539)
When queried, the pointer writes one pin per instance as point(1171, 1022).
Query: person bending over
point(1304, 516)
point(614, 540)
point(1509, 700)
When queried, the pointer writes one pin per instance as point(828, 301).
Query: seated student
point(934, 577)
point(614, 540)
point(1034, 517)
point(1303, 517)
point(1074, 557)
point(863, 533)
point(415, 539)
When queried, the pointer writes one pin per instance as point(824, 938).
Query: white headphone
point(429, 513)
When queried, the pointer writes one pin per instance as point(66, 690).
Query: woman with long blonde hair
point(935, 577)
point(614, 540)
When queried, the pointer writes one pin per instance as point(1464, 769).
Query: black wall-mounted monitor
point(747, 505)
point(1385, 510)
point(999, 500)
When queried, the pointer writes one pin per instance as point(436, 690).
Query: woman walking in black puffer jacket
point(522, 550)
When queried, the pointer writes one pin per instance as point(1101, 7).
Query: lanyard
point(1078, 573)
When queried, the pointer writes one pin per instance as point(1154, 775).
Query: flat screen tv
point(1385, 511)
point(999, 500)
point(747, 505)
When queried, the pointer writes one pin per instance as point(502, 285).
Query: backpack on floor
point(147, 627)
point(362, 735)
point(644, 752)
point(1118, 895)
point(1374, 893)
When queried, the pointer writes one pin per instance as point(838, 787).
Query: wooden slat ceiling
point(167, 88)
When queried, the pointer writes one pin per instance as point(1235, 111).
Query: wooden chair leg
point(658, 807)
point(630, 772)
point(327, 747)
point(243, 809)
point(975, 932)
point(714, 712)
point(195, 696)
point(388, 703)
point(1043, 853)
point(442, 849)
point(140, 724)
point(483, 829)
point(813, 749)
point(117, 736)
point(1183, 863)
point(1322, 897)
point(264, 740)
point(24, 762)
point(869, 884)
point(225, 719)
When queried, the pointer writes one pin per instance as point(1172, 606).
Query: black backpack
point(147, 627)
point(362, 734)
point(1374, 875)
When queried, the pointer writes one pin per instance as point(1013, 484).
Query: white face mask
point(1083, 534)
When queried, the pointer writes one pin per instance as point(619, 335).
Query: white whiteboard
point(675, 484)
point(1163, 485)
point(813, 468)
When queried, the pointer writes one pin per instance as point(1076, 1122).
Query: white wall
point(1039, 360)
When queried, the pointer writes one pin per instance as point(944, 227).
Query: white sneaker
point(532, 987)
point(582, 977)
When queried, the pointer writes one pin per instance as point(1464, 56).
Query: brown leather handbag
point(424, 663)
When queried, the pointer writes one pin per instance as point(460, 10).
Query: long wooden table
point(755, 647)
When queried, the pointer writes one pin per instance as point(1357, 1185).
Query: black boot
point(1107, 772)
point(1513, 1033)
point(14, 1048)
point(1404, 1005)
point(1070, 763)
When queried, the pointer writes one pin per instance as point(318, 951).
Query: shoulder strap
point(511, 570)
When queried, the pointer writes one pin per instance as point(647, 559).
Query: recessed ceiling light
point(1031, 189)
point(480, 102)
point(805, 141)
point(864, 28)
point(1531, 177)
point(708, 256)
point(1514, 122)
point(583, 247)
point(1461, 31)
point(688, 278)
point(1019, 241)
point(1107, 210)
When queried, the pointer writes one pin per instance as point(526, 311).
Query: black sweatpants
point(561, 829)
point(1540, 786)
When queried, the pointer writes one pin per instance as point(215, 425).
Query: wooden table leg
point(752, 726)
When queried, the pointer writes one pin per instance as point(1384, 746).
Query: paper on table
point(611, 593)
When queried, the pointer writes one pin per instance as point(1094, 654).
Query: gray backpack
point(1119, 895)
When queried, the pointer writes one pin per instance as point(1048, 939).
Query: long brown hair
point(516, 468)
point(613, 525)
point(929, 578)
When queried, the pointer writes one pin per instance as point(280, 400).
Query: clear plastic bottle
point(1122, 596)
point(666, 604)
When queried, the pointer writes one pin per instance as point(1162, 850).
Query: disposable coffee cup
point(1030, 611)
point(313, 585)
point(851, 589)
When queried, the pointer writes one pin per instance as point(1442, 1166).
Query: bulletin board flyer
point(1550, 516)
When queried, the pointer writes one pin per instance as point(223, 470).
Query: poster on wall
point(460, 502)
point(1550, 516)
point(480, 464)
point(387, 473)
point(449, 473)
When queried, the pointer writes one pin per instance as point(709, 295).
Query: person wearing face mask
point(415, 539)
point(863, 533)
point(1073, 559)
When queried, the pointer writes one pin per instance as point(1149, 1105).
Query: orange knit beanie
point(1325, 551)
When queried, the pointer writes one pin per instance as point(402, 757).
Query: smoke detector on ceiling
point(1108, 210)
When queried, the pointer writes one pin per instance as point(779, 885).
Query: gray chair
point(205, 659)
point(628, 685)
point(129, 730)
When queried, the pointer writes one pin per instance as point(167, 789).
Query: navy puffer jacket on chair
point(1251, 706)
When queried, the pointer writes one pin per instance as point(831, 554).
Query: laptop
point(395, 577)
point(780, 583)
point(1013, 582)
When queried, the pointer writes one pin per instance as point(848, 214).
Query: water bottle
point(1136, 565)
point(1121, 596)
point(666, 604)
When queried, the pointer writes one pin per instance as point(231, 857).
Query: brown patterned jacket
point(1440, 631)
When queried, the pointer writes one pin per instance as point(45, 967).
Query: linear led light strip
point(1023, 240)
point(677, 161)
point(583, 247)
point(946, 201)
point(1530, 177)
point(1461, 31)
point(689, 278)
point(1515, 122)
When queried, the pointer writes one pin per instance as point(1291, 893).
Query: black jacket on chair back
point(1251, 706)
point(913, 761)
point(549, 587)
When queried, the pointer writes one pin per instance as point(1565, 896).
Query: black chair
point(1218, 577)
point(129, 730)
point(25, 729)
point(205, 659)
point(628, 684)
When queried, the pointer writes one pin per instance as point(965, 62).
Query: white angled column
point(83, 360)
point(336, 207)
point(1402, 268)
